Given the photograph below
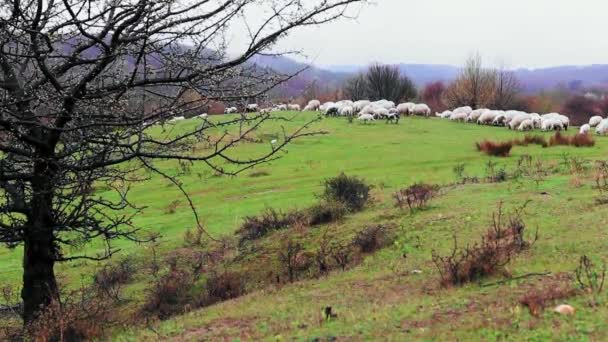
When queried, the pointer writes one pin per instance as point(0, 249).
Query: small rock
point(564, 309)
point(416, 271)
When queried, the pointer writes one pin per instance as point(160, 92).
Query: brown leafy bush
point(351, 191)
point(170, 294)
point(488, 257)
point(539, 299)
point(578, 140)
point(343, 254)
point(110, 279)
point(256, 227)
point(416, 196)
point(497, 149)
point(294, 260)
point(326, 212)
point(372, 238)
point(83, 315)
point(531, 140)
point(224, 286)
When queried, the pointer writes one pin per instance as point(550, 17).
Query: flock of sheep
point(368, 111)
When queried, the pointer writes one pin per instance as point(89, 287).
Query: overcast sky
point(514, 33)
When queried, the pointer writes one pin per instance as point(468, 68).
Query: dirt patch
point(244, 327)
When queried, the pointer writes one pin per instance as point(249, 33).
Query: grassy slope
point(378, 298)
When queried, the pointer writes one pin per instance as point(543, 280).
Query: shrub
point(170, 294)
point(582, 140)
point(342, 254)
point(488, 257)
point(351, 191)
point(531, 140)
point(256, 227)
point(495, 149)
point(371, 239)
point(293, 259)
point(83, 315)
point(326, 212)
point(539, 299)
point(109, 280)
point(416, 196)
point(559, 139)
point(224, 286)
point(589, 276)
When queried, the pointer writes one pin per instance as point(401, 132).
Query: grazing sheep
point(474, 115)
point(552, 124)
point(380, 113)
point(445, 115)
point(526, 125)
point(518, 119)
point(332, 111)
point(266, 110)
point(251, 108)
point(282, 107)
point(230, 110)
point(595, 120)
point(564, 119)
point(602, 128)
point(459, 116)
point(203, 116)
point(465, 109)
point(177, 118)
point(346, 111)
point(405, 108)
point(359, 105)
point(585, 129)
point(294, 107)
point(366, 118)
point(487, 118)
point(421, 109)
point(500, 119)
point(313, 105)
point(384, 104)
point(536, 119)
point(324, 107)
point(393, 118)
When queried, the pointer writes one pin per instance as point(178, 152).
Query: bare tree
point(356, 87)
point(474, 87)
point(75, 78)
point(506, 89)
point(387, 82)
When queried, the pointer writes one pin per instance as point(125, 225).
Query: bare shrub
point(416, 196)
point(488, 257)
point(578, 140)
point(170, 294)
point(256, 227)
point(172, 207)
point(194, 238)
point(224, 286)
point(110, 280)
point(342, 254)
point(496, 149)
point(351, 191)
point(539, 299)
point(372, 238)
point(559, 139)
point(294, 260)
point(82, 315)
point(326, 212)
point(589, 276)
point(531, 140)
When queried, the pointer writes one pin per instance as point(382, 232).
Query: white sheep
point(487, 117)
point(282, 107)
point(380, 113)
point(366, 118)
point(252, 107)
point(177, 118)
point(326, 105)
point(465, 109)
point(203, 116)
point(405, 108)
point(313, 105)
point(445, 115)
point(359, 105)
point(474, 115)
point(230, 110)
point(294, 107)
point(421, 109)
point(346, 111)
point(595, 120)
point(526, 125)
point(518, 119)
point(602, 128)
point(459, 116)
point(550, 124)
point(585, 129)
point(564, 119)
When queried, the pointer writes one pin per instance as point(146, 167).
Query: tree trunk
point(40, 249)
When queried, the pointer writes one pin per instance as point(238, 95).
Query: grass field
point(381, 298)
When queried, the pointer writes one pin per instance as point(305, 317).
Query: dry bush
point(111, 278)
point(170, 294)
point(294, 260)
point(83, 315)
point(488, 257)
point(589, 276)
point(326, 212)
point(223, 286)
point(351, 191)
point(578, 140)
point(172, 207)
point(343, 254)
point(496, 149)
point(582, 140)
point(537, 300)
point(531, 140)
point(372, 238)
point(256, 227)
point(415, 196)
